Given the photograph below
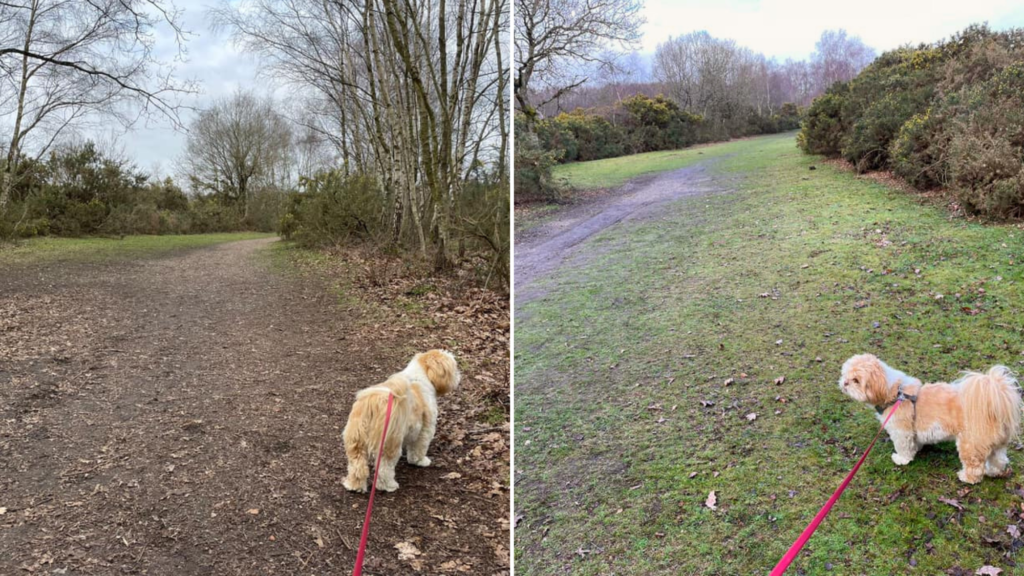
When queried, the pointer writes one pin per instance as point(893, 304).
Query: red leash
point(373, 490)
point(788, 558)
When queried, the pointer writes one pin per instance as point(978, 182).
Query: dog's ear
point(441, 370)
point(873, 380)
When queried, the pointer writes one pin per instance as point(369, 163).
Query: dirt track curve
point(183, 415)
point(542, 250)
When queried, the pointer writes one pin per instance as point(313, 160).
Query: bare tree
point(552, 35)
point(410, 90)
point(62, 62)
point(238, 147)
point(839, 57)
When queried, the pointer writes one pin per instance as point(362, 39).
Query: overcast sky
point(789, 28)
point(780, 28)
point(214, 62)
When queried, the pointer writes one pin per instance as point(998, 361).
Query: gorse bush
point(533, 160)
point(950, 114)
point(332, 208)
point(634, 125)
point(78, 190)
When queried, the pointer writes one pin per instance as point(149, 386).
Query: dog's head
point(441, 369)
point(864, 380)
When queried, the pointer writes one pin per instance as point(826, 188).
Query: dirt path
point(542, 250)
point(183, 416)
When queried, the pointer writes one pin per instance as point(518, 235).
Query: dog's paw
point(996, 473)
point(422, 462)
point(962, 475)
point(387, 486)
point(353, 487)
point(901, 460)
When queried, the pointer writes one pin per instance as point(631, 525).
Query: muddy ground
point(183, 415)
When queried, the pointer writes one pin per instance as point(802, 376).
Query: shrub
point(822, 130)
point(533, 165)
point(948, 114)
point(918, 154)
point(333, 208)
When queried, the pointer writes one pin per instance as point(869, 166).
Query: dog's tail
point(992, 406)
point(375, 401)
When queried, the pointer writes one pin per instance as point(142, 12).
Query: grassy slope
point(100, 249)
point(670, 309)
point(612, 172)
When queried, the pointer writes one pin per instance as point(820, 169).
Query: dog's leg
point(358, 468)
point(996, 464)
point(392, 452)
point(973, 462)
point(418, 447)
point(906, 447)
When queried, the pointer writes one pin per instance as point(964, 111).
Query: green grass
point(670, 308)
point(612, 172)
point(40, 250)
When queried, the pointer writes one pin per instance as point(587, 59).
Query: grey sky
point(780, 28)
point(789, 28)
point(214, 62)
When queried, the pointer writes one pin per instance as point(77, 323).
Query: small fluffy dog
point(981, 412)
point(413, 419)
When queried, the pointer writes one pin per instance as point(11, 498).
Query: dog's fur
point(982, 412)
point(413, 419)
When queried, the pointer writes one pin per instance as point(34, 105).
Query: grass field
point(100, 249)
point(649, 377)
point(613, 172)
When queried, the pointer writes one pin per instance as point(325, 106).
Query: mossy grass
point(638, 372)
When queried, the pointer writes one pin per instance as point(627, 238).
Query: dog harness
point(901, 395)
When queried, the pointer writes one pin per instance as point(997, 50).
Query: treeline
point(79, 190)
point(397, 133)
point(707, 89)
point(948, 114)
point(409, 100)
point(635, 125)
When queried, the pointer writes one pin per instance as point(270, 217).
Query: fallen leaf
point(952, 502)
point(3, 511)
point(452, 476)
point(693, 474)
point(780, 380)
point(1012, 530)
point(752, 416)
point(989, 571)
point(254, 511)
point(407, 551)
point(712, 501)
point(728, 381)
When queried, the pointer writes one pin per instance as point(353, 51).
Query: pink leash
point(373, 490)
point(790, 555)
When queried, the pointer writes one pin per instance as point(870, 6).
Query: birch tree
point(409, 90)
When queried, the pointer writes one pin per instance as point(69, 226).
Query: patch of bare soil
point(548, 246)
point(184, 415)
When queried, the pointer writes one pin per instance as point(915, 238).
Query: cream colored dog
point(981, 412)
point(413, 419)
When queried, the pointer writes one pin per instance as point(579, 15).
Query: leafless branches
point(62, 62)
point(551, 35)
